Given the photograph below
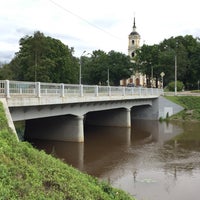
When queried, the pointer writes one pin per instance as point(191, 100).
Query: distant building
point(136, 79)
point(133, 41)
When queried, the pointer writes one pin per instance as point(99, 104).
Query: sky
point(88, 25)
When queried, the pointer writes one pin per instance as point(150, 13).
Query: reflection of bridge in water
point(107, 149)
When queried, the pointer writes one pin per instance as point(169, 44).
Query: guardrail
point(9, 89)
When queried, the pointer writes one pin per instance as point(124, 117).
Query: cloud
point(6, 56)
point(92, 25)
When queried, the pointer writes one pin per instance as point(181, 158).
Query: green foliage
point(179, 84)
point(191, 105)
point(44, 59)
point(27, 173)
point(96, 68)
point(161, 58)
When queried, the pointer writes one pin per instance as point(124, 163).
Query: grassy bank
point(27, 173)
point(191, 105)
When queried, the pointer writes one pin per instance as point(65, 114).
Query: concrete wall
point(60, 128)
point(160, 108)
point(8, 116)
point(166, 106)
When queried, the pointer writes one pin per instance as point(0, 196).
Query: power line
point(82, 19)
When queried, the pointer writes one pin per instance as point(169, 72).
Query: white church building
point(136, 79)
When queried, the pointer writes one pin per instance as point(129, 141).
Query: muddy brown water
point(143, 160)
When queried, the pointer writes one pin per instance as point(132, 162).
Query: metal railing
point(9, 89)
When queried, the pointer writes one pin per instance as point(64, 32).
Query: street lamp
point(175, 74)
point(108, 74)
point(152, 81)
point(175, 69)
point(80, 68)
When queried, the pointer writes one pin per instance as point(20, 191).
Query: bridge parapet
point(38, 92)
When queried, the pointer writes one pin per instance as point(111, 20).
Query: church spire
point(134, 26)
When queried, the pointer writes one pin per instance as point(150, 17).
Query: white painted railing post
point(109, 91)
point(96, 91)
point(123, 91)
point(38, 89)
point(146, 91)
point(62, 90)
point(7, 88)
point(81, 90)
point(132, 90)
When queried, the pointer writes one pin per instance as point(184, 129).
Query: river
point(145, 160)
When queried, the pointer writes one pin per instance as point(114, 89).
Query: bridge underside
point(71, 127)
point(61, 128)
point(118, 118)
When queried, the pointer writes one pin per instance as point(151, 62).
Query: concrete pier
point(60, 128)
point(115, 117)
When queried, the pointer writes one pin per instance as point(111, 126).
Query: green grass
point(27, 173)
point(191, 105)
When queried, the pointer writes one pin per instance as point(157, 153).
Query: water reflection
point(142, 160)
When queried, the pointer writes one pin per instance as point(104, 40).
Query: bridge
point(59, 111)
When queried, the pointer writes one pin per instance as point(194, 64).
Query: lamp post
point(152, 81)
point(108, 77)
point(80, 68)
point(175, 69)
point(175, 75)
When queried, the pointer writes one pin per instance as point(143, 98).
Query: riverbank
point(191, 106)
point(27, 173)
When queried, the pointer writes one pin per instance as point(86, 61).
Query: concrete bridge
point(59, 111)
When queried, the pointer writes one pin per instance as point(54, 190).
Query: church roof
point(134, 33)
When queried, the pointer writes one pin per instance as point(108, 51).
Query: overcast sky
point(91, 25)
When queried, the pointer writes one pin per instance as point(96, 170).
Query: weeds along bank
point(27, 173)
point(191, 105)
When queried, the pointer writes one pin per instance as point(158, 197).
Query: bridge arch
point(60, 128)
point(118, 117)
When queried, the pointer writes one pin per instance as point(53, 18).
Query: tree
point(45, 59)
point(161, 58)
point(147, 62)
point(100, 64)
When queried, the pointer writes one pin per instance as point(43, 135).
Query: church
point(137, 79)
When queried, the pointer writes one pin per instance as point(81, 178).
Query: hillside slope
point(27, 173)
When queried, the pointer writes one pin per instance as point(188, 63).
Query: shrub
point(180, 86)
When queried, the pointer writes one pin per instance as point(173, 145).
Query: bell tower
point(133, 41)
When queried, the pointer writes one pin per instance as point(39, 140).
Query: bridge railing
point(10, 89)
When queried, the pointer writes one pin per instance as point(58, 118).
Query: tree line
point(45, 59)
point(161, 58)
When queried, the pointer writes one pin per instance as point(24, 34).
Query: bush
point(180, 86)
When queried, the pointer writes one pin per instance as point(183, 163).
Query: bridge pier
point(116, 117)
point(60, 128)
